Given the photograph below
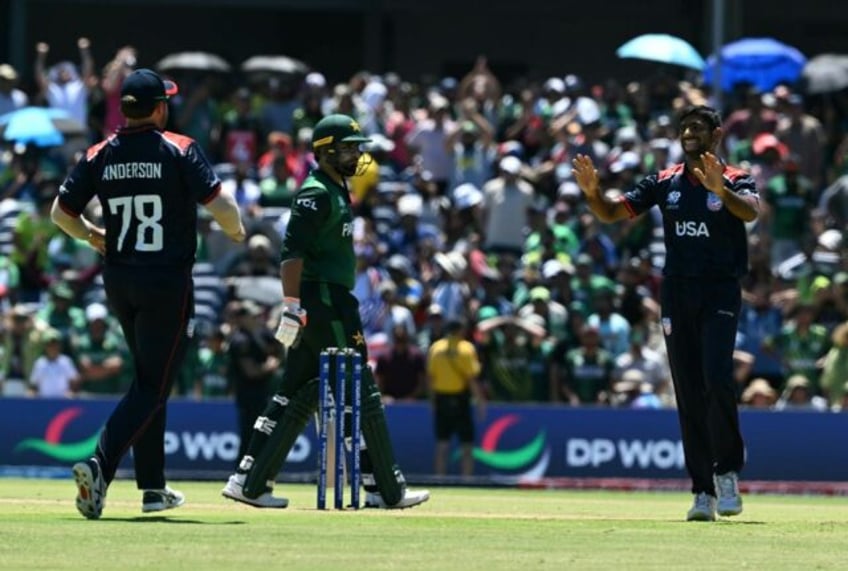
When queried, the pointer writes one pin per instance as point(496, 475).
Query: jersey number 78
point(143, 211)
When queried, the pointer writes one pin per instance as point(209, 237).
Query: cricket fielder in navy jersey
point(705, 205)
point(149, 183)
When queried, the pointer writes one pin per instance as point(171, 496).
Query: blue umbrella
point(663, 48)
point(41, 126)
point(763, 62)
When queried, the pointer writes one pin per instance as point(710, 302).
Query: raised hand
point(712, 174)
point(586, 175)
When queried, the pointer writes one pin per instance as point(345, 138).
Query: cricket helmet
point(337, 128)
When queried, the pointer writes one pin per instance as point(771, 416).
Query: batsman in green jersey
point(320, 311)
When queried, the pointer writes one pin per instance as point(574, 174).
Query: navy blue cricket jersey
point(149, 183)
point(702, 238)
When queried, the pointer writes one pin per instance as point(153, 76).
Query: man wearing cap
point(507, 200)
point(319, 311)
point(53, 374)
point(257, 261)
point(101, 356)
point(429, 140)
point(149, 182)
point(705, 205)
point(60, 312)
point(401, 272)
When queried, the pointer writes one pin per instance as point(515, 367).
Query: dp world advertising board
point(514, 443)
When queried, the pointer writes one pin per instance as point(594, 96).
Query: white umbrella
point(274, 64)
point(197, 61)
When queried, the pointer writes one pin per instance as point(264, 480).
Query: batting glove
point(292, 322)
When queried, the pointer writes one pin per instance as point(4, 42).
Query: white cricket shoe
point(91, 488)
point(410, 499)
point(703, 508)
point(727, 489)
point(162, 499)
point(234, 491)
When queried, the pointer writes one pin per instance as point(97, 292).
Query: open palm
point(711, 176)
point(586, 175)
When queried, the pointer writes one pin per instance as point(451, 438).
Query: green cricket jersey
point(320, 231)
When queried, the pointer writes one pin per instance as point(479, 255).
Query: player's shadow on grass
point(166, 519)
point(722, 522)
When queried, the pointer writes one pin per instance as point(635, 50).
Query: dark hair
point(454, 326)
point(132, 109)
point(708, 114)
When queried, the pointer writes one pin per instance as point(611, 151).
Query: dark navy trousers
point(155, 307)
point(699, 319)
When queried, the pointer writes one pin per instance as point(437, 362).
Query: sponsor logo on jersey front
point(308, 203)
point(713, 202)
point(347, 229)
point(691, 228)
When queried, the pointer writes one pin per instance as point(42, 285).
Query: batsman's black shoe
point(91, 488)
point(160, 500)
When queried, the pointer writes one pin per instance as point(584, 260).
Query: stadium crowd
point(467, 211)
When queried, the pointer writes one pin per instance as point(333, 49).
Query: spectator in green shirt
point(61, 314)
point(33, 232)
point(790, 196)
point(101, 355)
point(582, 375)
point(801, 344)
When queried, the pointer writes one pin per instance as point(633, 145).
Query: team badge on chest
point(713, 202)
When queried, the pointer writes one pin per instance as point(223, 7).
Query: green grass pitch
point(459, 528)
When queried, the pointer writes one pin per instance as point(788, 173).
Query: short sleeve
point(78, 188)
point(643, 196)
point(743, 185)
point(201, 180)
point(310, 209)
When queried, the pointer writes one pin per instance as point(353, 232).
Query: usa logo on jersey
point(713, 202)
